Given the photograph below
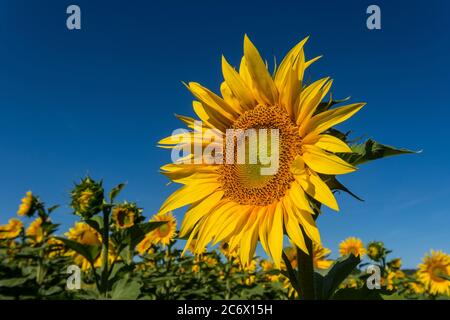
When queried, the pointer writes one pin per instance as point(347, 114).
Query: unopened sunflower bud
point(376, 250)
point(87, 198)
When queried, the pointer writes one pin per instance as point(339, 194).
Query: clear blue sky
point(97, 100)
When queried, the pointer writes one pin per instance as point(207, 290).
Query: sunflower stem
point(305, 271)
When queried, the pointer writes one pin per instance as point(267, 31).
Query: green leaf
point(327, 281)
point(115, 191)
point(335, 184)
point(371, 150)
point(12, 282)
point(96, 223)
point(125, 289)
point(89, 252)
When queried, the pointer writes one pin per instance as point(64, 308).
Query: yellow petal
point(210, 116)
point(325, 162)
point(276, 235)
point(327, 142)
point(188, 194)
point(288, 62)
point(292, 226)
point(310, 62)
point(298, 197)
point(197, 211)
point(237, 85)
point(325, 120)
point(316, 188)
point(309, 225)
point(262, 230)
point(212, 100)
point(229, 98)
point(310, 98)
point(249, 238)
point(259, 73)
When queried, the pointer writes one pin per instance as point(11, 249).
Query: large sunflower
point(432, 271)
point(235, 202)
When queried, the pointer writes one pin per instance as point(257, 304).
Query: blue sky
point(97, 100)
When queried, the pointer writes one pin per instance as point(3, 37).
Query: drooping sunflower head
point(87, 198)
point(166, 231)
point(28, 205)
point(434, 267)
point(11, 230)
point(145, 246)
point(36, 231)
point(126, 215)
point(376, 250)
point(241, 191)
point(353, 246)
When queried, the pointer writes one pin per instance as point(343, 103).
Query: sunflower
point(85, 234)
point(239, 203)
point(433, 266)
point(320, 255)
point(11, 230)
point(352, 245)
point(376, 250)
point(36, 231)
point(165, 232)
point(145, 245)
point(125, 215)
point(27, 205)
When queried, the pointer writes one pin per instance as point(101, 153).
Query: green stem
point(105, 252)
point(306, 270)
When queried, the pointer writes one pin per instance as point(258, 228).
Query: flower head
point(434, 267)
point(243, 202)
point(28, 205)
point(166, 231)
point(87, 198)
point(11, 230)
point(376, 250)
point(353, 246)
point(36, 231)
point(125, 215)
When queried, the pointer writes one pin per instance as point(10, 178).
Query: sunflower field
point(118, 251)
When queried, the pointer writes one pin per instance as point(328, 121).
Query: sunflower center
point(437, 273)
point(163, 230)
point(245, 183)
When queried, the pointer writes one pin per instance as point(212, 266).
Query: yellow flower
point(376, 250)
point(250, 280)
point(145, 244)
point(195, 268)
point(389, 281)
point(352, 245)
point(11, 230)
point(266, 265)
point(416, 287)
point(165, 232)
point(35, 231)
point(85, 234)
point(395, 264)
point(123, 216)
point(432, 267)
point(56, 247)
point(242, 203)
point(350, 282)
point(320, 255)
point(25, 208)
point(210, 261)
